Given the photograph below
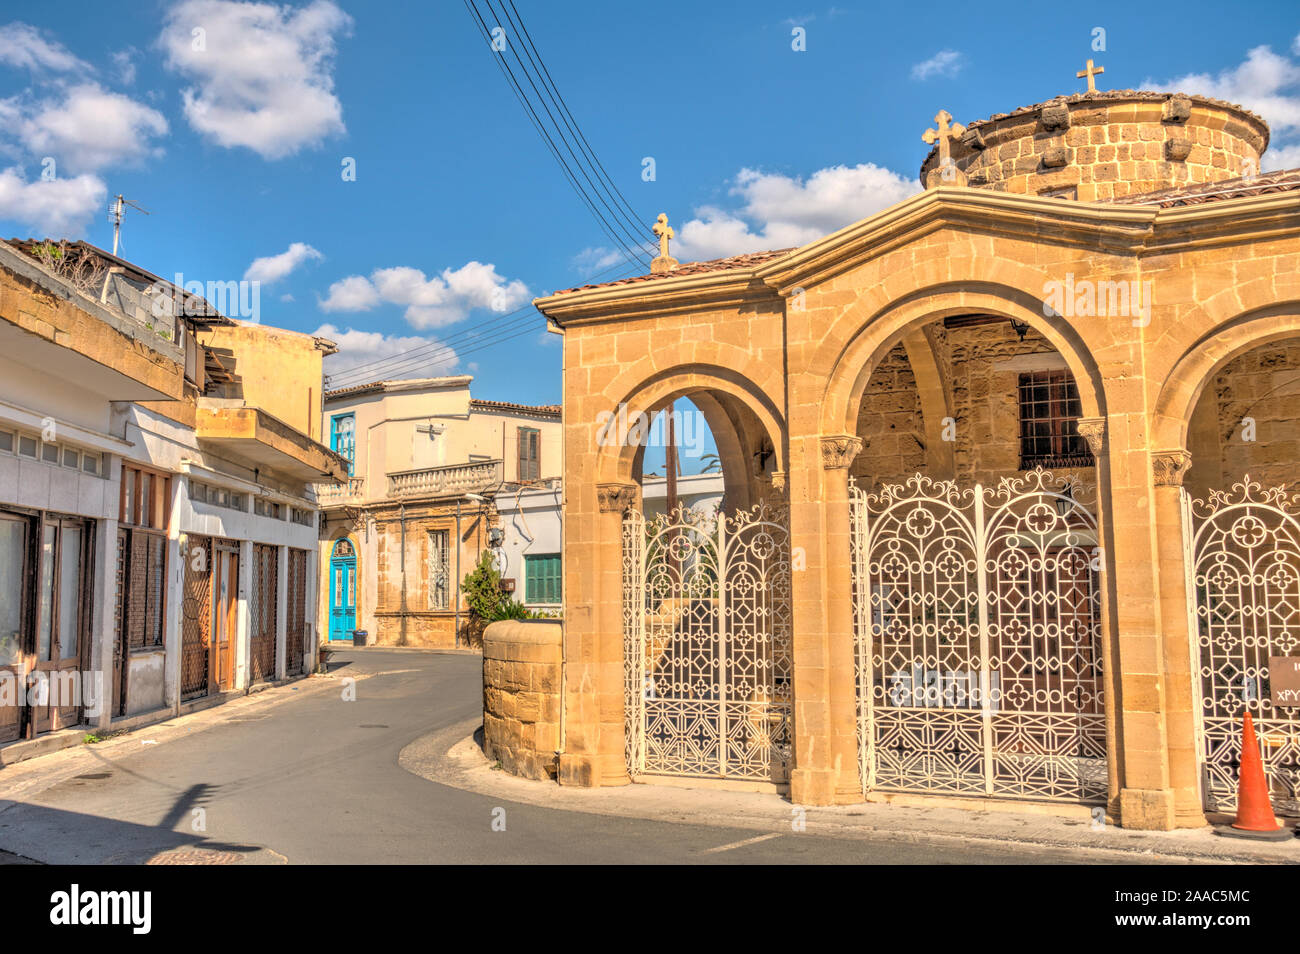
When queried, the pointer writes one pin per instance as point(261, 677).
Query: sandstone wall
point(521, 696)
point(1094, 147)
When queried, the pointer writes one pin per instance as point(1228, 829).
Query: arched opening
point(1243, 435)
point(977, 566)
point(706, 581)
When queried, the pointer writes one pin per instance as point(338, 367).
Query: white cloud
point(263, 75)
point(430, 302)
point(428, 356)
point(354, 293)
point(1281, 157)
point(596, 259)
point(784, 211)
point(943, 63)
point(58, 208)
point(22, 45)
point(272, 268)
point(124, 61)
point(286, 297)
point(89, 128)
point(1265, 82)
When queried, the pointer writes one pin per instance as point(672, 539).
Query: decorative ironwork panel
point(1246, 583)
point(977, 624)
point(263, 613)
point(196, 616)
point(1043, 600)
point(708, 648)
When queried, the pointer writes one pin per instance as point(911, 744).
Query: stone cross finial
point(943, 135)
point(1091, 72)
point(665, 262)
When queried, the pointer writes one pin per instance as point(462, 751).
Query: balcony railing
point(452, 480)
point(334, 495)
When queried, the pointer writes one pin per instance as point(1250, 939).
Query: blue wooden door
point(343, 590)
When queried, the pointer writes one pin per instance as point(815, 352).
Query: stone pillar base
point(580, 771)
point(812, 786)
point(1190, 818)
point(1148, 809)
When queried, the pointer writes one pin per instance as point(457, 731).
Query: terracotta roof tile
point(547, 409)
point(731, 263)
point(1201, 193)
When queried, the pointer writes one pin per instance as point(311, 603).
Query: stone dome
point(1102, 145)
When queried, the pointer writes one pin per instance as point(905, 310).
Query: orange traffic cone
point(1255, 818)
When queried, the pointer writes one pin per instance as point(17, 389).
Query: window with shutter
point(542, 578)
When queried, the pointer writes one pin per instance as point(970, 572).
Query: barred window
point(1049, 411)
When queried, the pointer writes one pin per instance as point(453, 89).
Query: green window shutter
point(542, 578)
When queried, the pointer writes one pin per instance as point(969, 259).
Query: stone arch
point(878, 332)
point(1203, 358)
point(736, 410)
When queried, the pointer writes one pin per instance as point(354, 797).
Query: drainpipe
point(457, 633)
point(402, 521)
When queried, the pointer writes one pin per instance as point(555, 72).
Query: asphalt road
point(316, 780)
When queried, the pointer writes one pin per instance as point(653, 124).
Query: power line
point(633, 253)
point(574, 122)
point(380, 366)
point(622, 215)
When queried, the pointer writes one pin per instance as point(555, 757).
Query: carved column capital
point(1092, 430)
point(839, 451)
point(616, 498)
point(1169, 467)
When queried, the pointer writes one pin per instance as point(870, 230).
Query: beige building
point(998, 463)
point(428, 461)
point(157, 518)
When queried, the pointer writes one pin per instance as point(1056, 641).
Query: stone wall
point(981, 365)
point(1247, 422)
point(405, 614)
point(1099, 146)
point(521, 696)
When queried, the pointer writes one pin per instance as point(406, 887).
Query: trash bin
point(361, 637)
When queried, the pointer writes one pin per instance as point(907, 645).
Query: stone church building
point(1008, 472)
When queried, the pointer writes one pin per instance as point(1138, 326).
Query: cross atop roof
point(943, 135)
point(1091, 72)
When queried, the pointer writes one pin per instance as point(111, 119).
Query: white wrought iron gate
point(1245, 589)
point(706, 610)
point(977, 625)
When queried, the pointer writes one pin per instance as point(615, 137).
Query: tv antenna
point(115, 213)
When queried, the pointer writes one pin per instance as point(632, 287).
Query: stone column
point(615, 500)
point(1182, 691)
point(812, 777)
point(838, 454)
point(1137, 745)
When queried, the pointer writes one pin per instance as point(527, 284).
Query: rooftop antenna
point(115, 213)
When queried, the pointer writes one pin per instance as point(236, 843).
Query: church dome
point(1102, 145)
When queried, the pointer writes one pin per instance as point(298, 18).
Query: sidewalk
point(453, 757)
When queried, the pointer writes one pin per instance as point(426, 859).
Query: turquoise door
point(343, 590)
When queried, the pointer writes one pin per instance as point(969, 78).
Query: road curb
point(453, 757)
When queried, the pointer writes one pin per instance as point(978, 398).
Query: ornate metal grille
point(1245, 585)
point(707, 644)
point(196, 616)
point(295, 638)
point(262, 605)
point(977, 625)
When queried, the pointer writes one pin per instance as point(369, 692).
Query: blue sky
point(458, 214)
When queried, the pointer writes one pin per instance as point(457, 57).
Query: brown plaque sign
point(1284, 680)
